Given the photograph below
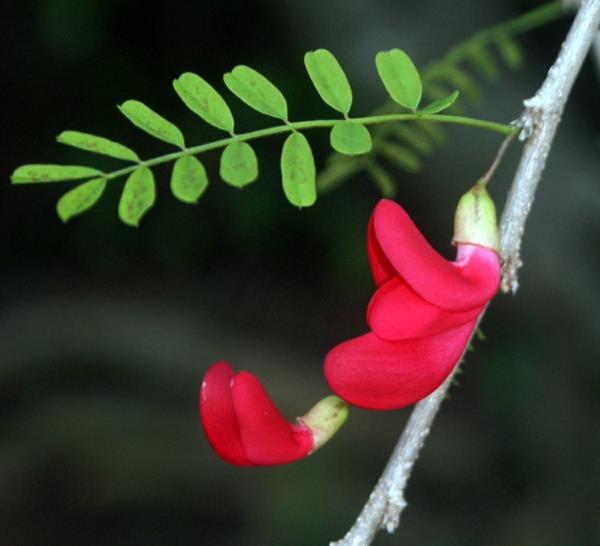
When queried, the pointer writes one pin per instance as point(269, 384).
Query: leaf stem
point(302, 125)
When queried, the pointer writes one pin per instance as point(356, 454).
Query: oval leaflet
point(80, 199)
point(36, 173)
point(256, 91)
point(188, 179)
point(97, 145)
point(298, 171)
point(329, 79)
point(138, 196)
point(239, 165)
point(350, 138)
point(400, 77)
point(202, 99)
point(152, 123)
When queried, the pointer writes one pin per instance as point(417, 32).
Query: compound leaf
point(36, 173)
point(350, 138)
point(97, 145)
point(329, 79)
point(80, 199)
point(256, 91)
point(400, 77)
point(202, 99)
point(298, 171)
point(239, 165)
point(138, 196)
point(188, 179)
point(154, 124)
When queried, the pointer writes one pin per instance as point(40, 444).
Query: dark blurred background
point(106, 331)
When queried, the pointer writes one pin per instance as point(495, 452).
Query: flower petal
point(217, 414)
point(469, 282)
point(268, 439)
point(372, 373)
point(381, 268)
point(396, 312)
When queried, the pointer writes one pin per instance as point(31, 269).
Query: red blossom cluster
point(421, 318)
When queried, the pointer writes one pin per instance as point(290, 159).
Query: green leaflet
point(138, 196)
point(80, 199)
point(298, 171)
point(400, 77)
point(202, 99)
point(383, 180)
point(239, 165)
point(188, 179)
point(36, 173)
point(97, 145)
point(401, 157)
point(329, 79)
point(440, 105)
point(256, 91)
point(154, 124)
point(351, 138)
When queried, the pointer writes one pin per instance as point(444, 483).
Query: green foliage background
point(105, 332)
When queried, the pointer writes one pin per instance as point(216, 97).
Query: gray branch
point(539, 122)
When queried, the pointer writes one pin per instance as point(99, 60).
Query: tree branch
point(539, 122)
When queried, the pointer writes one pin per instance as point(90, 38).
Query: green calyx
point(324, 419)
point(475, 219)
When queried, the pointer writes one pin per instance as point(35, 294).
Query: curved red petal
point(468, 282)
point(268, 439)
point(372, 373)
point(217, 414)
point(381, 268)
point(396, 312)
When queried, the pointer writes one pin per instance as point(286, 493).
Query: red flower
point(424, 310)
point(246, 429)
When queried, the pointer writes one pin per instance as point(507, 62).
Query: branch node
point(391, 515)
point(529, 121)
point(510, 273)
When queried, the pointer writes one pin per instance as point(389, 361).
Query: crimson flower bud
point(424, 309)
point(245, 428)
